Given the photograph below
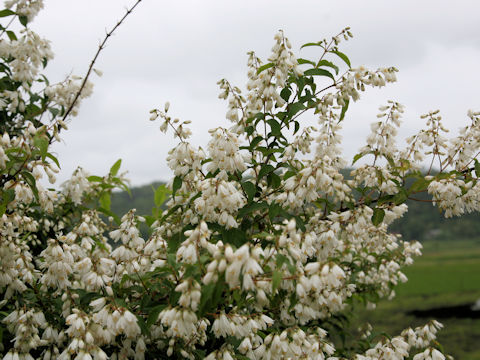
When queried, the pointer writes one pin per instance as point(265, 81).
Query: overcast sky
point(177, 50)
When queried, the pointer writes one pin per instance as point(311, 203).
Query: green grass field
point(448, 274)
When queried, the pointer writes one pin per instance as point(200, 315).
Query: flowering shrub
point(264, 246)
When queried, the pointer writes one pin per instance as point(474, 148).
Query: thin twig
point(100, 48)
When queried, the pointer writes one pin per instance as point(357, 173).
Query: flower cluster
point(264, 239)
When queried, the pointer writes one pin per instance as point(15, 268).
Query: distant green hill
point(422, 222)
point(141, 199)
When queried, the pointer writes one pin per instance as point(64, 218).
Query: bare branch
point(100, 48)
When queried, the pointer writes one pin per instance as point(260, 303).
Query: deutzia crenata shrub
point(264, 246)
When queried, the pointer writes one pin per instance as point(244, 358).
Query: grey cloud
point(177, 51)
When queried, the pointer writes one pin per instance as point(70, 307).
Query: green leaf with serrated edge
point(378, 215)
point(319, 72)
point(250, 189)
point(295, 108)
point(264, 170)
point(276, 280)
point(160, 195)
point(177, 184)
point(342, 56)
point(344, 109)
point(311, 44)
point(115, 167)
point(265, 67)
point(324, 62)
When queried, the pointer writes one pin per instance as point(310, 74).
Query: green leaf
point(23, 20)
point(477, 168)
point(265, 67)
point(418, 186)
point(153, 314)
point(11, 35)
point(282, 259)
point(249, 208)
point(105, 200)
point(400, 197)
point(250, 189)
point(276, 280)
point(115, 167)
point(305, 61)
point(41, 142)
point(357, 157)
point(273, 180)
point(295, 108)
point(95, 178)
point(6, 12)
point(285, 93)
point(234, 236)
point(177, 184)
point(344, 109)
point(378, 215)
point(311, 44)
point(256, 140)
point(207, 293)
point(319, 72)
point(275, 127)
point(30, 180)
point(264, 170)
point(54, 159)
point(142, 325)
point(329, 64)
point(274, 210)
point(343, 57)
point(289, 174)
point(160, 195)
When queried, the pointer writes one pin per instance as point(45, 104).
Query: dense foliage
point(263, 246)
